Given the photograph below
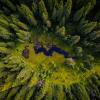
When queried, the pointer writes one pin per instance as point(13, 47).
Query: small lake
point(40, 49)
point(50, 51)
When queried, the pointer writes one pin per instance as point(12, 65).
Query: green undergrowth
point(59, 73)
point(71, 25)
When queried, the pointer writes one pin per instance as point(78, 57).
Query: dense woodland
point(73, 25)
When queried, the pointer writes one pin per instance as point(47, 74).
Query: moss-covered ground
point(59, 72)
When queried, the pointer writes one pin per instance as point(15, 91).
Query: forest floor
point(59, 73)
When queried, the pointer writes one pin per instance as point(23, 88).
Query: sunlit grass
point(59, 73)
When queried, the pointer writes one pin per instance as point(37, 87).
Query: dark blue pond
point(39, 49)
point(52, 49)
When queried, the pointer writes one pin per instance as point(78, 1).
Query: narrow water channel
point(52, 49)
point(40, 49)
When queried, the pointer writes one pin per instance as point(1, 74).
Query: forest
point(49, 49)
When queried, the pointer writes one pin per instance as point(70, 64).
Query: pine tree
point(19, 23)
point(78, 14)
point(75, 39)
point(27, 13)
point(9, 4)
point(95, 35)
point(43, 13)
point(68, 7)
point(87, 28)
point(4, 33)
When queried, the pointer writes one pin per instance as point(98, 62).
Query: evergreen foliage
point(70, 24)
